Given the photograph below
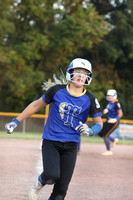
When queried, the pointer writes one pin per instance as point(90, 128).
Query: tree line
point(38, 38)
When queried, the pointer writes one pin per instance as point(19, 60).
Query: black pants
point(59, 160)
point(107, 129)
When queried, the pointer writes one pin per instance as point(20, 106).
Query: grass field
point(38, 136)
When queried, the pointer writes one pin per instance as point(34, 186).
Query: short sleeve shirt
point(113, 108)
point(66, 111)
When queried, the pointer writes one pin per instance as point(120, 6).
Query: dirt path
point(96, 177)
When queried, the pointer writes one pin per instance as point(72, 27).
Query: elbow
point(120, 114)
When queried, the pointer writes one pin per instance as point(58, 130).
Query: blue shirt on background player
point(71, 105)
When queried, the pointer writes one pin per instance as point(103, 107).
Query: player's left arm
point(96, 114)
point(120, 113)
point(97, 125)
point(96, 117)
point(119, 110)
point(84, 129)
point(98, 120)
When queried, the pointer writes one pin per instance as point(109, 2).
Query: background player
point(114, 111)
point(70, 106)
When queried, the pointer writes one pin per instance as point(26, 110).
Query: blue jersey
point(113, 108)
point(67, 111)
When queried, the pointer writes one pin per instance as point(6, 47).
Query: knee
point(49, 178)
point(105, 137)
point(59, 197)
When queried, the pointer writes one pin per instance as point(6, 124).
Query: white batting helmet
point(112, 93)
point(79, 63)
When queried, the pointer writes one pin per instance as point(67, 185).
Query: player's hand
point(83, 129)
point(112, 120)
point(11, 126)
point(105, 111)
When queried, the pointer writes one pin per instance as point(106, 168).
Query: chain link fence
point(36, 123)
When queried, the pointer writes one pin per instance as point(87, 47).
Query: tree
point(39, 37)
point(116, 50)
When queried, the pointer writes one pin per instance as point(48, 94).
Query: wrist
point(16, 121)
point(90, 131)
point(117, 117)
point(96, 128)
point(105, 111)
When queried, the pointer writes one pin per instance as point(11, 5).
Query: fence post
point(47, 107)
point(46, 114)
point(24, 126)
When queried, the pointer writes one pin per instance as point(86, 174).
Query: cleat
point(115, 142)
point(35, 190)
point(107, 153)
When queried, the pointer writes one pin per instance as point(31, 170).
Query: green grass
point(97, 139)
point(38, 136)
point(26, 136)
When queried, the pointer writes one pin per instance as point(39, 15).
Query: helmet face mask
point(111, 95)
point(79, 63)
point(83, 76)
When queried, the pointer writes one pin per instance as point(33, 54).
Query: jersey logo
point(68, 111)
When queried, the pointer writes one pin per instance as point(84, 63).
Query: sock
point(107, 143)
point(40, 179)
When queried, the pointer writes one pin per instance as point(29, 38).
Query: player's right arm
point(32, 108)
point(105, 111)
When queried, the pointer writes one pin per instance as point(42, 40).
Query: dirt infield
point(96, 177)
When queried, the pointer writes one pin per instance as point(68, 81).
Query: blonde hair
point(56, 80)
